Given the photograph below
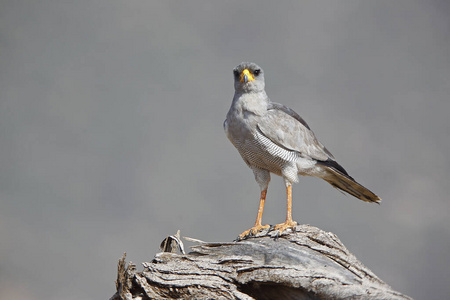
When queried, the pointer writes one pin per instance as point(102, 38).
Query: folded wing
point(287, 129)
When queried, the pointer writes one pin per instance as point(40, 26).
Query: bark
point(305, 264)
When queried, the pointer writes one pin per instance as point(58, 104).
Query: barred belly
point(263, 153)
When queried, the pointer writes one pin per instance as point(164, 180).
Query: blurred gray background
point(111, 132)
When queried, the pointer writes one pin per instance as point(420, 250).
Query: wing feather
point(287, 129)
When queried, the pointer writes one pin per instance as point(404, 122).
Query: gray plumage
point(272, 138)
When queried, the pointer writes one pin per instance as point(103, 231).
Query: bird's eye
point(236, 73)
point(256, 72)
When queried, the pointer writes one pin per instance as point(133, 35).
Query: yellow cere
point(249, 75)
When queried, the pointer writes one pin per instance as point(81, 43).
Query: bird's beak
point(246, 76)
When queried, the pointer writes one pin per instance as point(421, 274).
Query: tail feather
point(347, 184)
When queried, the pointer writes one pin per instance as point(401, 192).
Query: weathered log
point(305, 264)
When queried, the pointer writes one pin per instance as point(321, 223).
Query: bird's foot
point(283, 226)
point(253, 231)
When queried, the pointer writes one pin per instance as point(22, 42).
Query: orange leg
point(288, 223)
point(258, 227)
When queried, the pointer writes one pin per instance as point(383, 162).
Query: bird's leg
point(262, 202)
point(289, 223)
point(258, 226)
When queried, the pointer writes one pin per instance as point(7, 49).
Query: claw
point(283, 226)
point(253, 231)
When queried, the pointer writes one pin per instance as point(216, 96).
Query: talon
point(283, 226)
point(253, 231)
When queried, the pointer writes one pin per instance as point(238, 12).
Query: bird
point(273, 138)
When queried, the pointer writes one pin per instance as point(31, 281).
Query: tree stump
point(307, 263)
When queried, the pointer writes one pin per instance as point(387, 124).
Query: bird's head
point(248, 78)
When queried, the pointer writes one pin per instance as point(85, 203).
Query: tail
point(338, 177)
